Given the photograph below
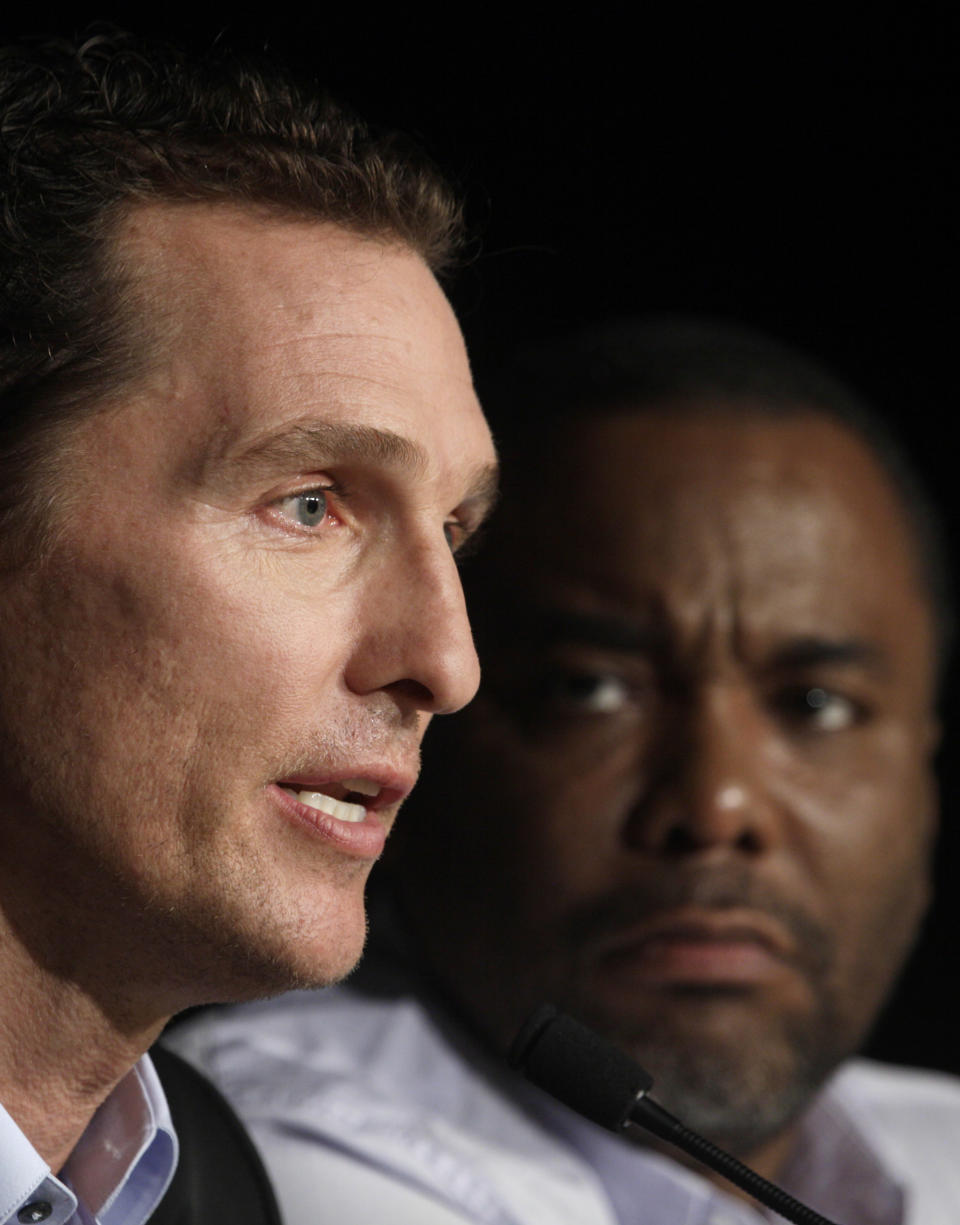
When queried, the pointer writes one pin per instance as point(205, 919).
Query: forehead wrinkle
point(714, 608)
point(337, 353)
point(288, 340)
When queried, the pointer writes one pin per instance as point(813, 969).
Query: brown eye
point(820, 710)
point(587, 693)
point(830, 712)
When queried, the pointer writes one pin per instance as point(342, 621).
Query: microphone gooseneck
point(595, 1078)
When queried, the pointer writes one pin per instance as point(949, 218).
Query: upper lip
point(395, 783)
point(697, 924)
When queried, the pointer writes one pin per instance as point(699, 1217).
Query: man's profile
point(692, 805)
point(240, 445)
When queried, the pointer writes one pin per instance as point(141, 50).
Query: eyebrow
point(552, 626)
point(812, 650)
point(482, 493)
point(322, 441)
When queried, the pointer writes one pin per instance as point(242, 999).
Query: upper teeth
point(365, 786)
point(338, 808)
point(335, 808)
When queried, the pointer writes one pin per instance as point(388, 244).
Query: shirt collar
point(834, 1164)
point(834, 1168)
point(120, 1167)
point(24, 1175)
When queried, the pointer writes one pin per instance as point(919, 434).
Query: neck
point(61, 1052)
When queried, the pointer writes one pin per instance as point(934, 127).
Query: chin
point(732, 1071)
point(739, 1088)
point(258, 972)
point(737, 1103)
point(245, 957)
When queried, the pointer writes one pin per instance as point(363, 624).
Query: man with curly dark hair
point(239, 445)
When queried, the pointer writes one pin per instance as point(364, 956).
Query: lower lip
point(691, 962)
point(361, 839)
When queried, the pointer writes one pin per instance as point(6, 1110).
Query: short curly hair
point(91, 128)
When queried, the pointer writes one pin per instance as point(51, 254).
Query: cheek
point(185, 659)
point(869, 800)
point(198, 616)
point(863, 831)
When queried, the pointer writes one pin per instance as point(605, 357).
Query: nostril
point(414, 691)
point(680, 841)
point(685, 838)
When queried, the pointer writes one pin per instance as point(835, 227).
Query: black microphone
point(595, 1078)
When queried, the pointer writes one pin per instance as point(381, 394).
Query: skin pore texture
point(250, 583)
point(693, 803)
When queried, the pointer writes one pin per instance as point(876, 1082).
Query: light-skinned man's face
point(249, 610)
point(693, 803)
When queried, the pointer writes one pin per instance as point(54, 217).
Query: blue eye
point(308, 509)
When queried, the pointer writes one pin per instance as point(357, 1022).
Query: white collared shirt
point(117, 1173)
point(379, 1101)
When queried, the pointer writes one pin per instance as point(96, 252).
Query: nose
point(415, 641)
point(710, 780)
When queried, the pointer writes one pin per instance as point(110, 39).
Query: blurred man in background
point(693, 805)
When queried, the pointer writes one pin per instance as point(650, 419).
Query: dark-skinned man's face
point(693, 803)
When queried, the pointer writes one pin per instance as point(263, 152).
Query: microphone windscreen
point(577, 1066)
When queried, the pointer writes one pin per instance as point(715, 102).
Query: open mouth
point(348, 800)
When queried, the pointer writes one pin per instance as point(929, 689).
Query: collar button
point(39, 1210)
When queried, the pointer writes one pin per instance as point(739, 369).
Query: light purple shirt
point(117, 1173)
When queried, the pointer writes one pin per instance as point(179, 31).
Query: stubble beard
point(740, 1085)
point(728, 1063)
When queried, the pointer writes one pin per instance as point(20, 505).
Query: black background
point(798, 174)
